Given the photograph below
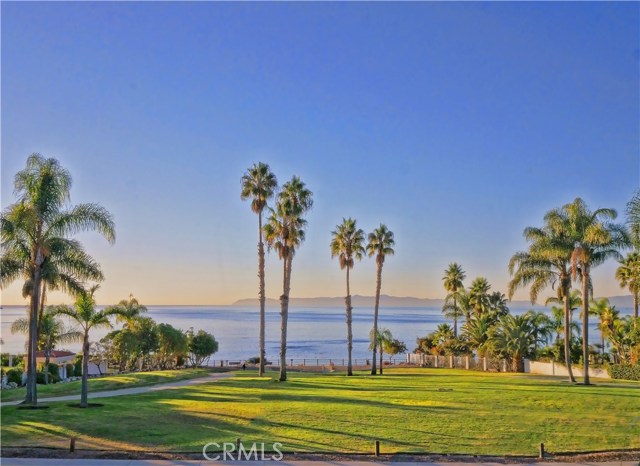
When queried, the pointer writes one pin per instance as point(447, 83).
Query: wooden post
point(541, 451)
point(484, 364)
point(435, 361)
point(72, 444)
point(238, 442)
point(450, 362)
point(377, 448)
point(466, 362)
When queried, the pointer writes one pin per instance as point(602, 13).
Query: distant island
point(392, 301)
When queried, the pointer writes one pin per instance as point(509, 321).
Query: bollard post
point(484, 364)
point(541, 451)
point(238, 443)
point(466, 362)
point(72, 444)
point(377, 448)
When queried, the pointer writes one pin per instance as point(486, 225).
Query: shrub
point(70, 370)
point(40, 378)
point(54, 371)
point(625, 371)
point(77, 366)
point(14, 375)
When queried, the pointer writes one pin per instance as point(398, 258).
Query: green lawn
point(408, 410)
point(114, 382)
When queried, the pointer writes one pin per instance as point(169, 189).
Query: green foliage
point(71, 371)
point(15, 376)
point(201, 346)
point(172, 343)
point(624, 371)
point(77, 365)
point(54, 370)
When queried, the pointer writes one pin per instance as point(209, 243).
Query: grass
point(114, 382)
point(408, 410)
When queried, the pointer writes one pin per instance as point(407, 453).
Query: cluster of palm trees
point(38, 248)
point(284, 232)
point(348, 245)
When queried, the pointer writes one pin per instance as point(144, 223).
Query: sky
point(455, 124)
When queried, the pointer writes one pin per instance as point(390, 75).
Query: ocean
point(312, 332)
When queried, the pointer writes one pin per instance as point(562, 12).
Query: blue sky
point(456, 124)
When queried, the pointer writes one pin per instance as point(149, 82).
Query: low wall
point(552, 368)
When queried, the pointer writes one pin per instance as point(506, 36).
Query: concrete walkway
point(84, 462)
point(131, 391)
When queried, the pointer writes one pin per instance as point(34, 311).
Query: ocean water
point(312, 332)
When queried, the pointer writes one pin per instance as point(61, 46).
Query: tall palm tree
point(546, 263)
point(378, 339)
point(628, 274)
point(543, 326)
point(479, 295)
point(380, 243)
point(36, 246)
point(87, 317)
point(347, 244)
point(453, 278)
point(128, 309)
point(557, 322)
point(285, 232)
point(52, 333)
point(595, 239)
point(259, 184)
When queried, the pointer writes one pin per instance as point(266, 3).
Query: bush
point(54, 371)
point(14, 375)
point(40, 378)
point(625, 371)
point(77, 366)
point(70, 370)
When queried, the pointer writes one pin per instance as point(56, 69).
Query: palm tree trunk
point(567, 331)
point(455, 318)
point(381, 351)
point(585, 322)
point(84, 393)
point(347, 301)
point(32, 389)
point(375, 316)
point(41, 310)
point(284, 316)
point(47, 354)
point(635, 308)
point(261, 293)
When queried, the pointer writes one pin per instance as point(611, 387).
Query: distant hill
point(391, 301)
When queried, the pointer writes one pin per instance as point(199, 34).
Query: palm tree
point(595, 239)
point(633, 218)
point(85, 314)
point(479, 295)
point(380, 243)
point(259, 184)
point(347, 244)
point(514, 337)
point(476, 332)
point(285, 232)
point(453, 278)
point(543, 326)
point(607, 314)
point(378, 339)
point(52, 333)
point(128, 309)
point(35, 242)
point(546, 263)
point(498, 304)
point(557, 322)
point(628, 274)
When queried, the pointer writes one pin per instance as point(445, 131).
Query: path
point(130, 391)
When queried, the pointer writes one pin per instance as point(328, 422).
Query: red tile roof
point(55, 354)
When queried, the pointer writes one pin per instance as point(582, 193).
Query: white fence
point(458, 362)
point(553, 368)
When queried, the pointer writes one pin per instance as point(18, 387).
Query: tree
point(476, 332)
point(607, 315)
point(543, 326)
point(201, 346)
point(633, 218)
point(628, 274)
point(145, 332)
point(453, 278)
point(52, 333)
point(546, 263)
point(285, 232)
point(498, 304)
point(347, 244)
point(87, 317)
point(259, 185)
point(36, 246)
point(514, 338)
point(378, 340)
point(380, 243)
point(394, 347)
point(479, 296)
point(595, 240)
point(172, 344)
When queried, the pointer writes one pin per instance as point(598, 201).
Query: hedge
point(14, 375)
point(625, 371)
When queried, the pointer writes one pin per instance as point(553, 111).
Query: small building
point(59, 358)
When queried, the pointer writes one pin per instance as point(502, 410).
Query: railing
point(459, 362)
point(311, 362)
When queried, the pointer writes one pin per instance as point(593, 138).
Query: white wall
point(552, 368)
